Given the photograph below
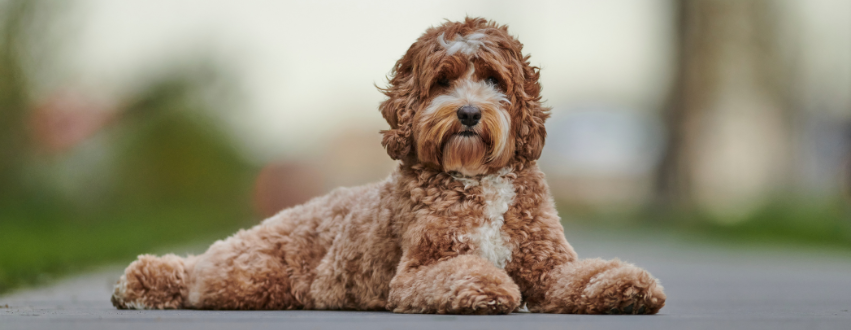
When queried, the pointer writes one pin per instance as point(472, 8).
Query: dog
point(464, 225)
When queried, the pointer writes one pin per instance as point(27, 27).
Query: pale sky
point(308, 68)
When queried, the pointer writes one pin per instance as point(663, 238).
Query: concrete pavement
point(708, 287)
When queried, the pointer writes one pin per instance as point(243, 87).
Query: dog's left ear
point(397, 111)
point(531, 132)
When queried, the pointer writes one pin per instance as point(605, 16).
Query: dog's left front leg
point(560, 282)
point(596, 286)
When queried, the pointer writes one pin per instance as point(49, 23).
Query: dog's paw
point(624, 290)
point(635, 300)
point(120, 298)
point(151, 283)
point(487, 298)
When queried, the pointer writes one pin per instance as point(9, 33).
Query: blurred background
point(130, 126)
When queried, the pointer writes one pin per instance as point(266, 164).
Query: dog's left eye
point(493, 81)
point(443, 82)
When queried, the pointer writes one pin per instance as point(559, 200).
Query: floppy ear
point(397, 139)
point(531, 131)
point(397, 111)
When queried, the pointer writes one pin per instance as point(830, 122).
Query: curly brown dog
point(464, 225)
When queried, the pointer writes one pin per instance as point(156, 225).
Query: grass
point(824, 224)
point(39, 245)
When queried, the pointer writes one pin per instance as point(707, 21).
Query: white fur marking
point(498, 192)
point(467, 45)
point(195, 294)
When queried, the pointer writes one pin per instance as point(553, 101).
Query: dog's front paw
point(625, 289)
point(477, 297)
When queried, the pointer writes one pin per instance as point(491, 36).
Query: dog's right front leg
point(464, 284)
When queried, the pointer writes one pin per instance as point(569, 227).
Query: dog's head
point(464, 99)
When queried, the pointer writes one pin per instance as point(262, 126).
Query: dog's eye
point(493, 81)
point(443, 82)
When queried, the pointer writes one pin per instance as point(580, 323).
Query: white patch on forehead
point(467, 45)
point(498, 192)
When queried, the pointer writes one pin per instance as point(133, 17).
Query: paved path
point(708, 287)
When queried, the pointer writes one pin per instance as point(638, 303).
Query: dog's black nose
point(469, 115)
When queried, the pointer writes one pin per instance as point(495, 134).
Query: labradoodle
point(464, 225)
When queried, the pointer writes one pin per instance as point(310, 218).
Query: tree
point(727, 115)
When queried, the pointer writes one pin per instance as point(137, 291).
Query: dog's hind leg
point(254, 269)
point(153, 282)
point(269, 266)
point(240, 272)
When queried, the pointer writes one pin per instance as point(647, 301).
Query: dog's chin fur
point(465, 154)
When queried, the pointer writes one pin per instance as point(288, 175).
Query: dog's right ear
point(396, 139)
point(398, 111)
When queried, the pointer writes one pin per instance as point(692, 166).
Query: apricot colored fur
point(424, 240)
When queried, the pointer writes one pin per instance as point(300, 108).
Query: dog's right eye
point(443, 82)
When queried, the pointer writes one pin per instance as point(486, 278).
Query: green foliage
point(168, 151)
point(817, 223)
point(173, 176)
point(40, 244)
point(160, 172)
point(14, 16)
point(824, 223)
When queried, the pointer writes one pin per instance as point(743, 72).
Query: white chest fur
point(492, 243)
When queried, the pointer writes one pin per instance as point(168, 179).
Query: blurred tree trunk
point(672, 184)
point(727, 112)
point(14, 16)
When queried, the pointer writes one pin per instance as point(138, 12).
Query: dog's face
point(465, 100)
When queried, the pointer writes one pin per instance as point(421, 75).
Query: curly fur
point(465, 224)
